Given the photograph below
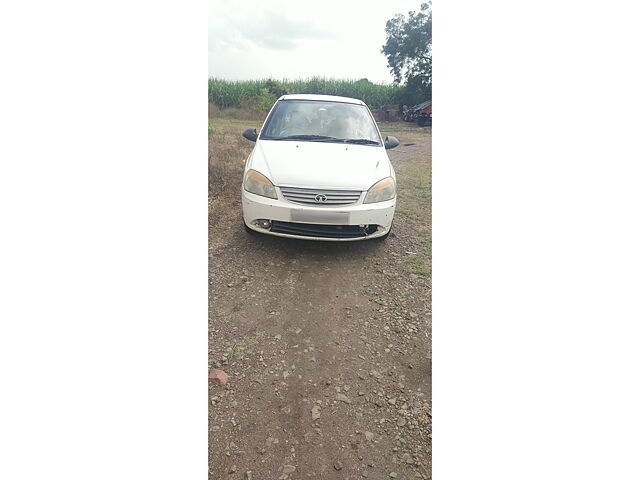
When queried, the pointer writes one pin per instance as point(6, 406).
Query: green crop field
point(261, 94)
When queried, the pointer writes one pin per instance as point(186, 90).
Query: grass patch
point(393, 128)
point(420, 265)
point(414, 196)
point(248, 112)
point(242, 348)
point(228, 150)
point(238, 350)
point(414, 204)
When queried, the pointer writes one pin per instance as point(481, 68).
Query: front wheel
point(384, 237)
point(250, 231)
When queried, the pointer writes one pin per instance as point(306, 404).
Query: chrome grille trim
point(307, 195)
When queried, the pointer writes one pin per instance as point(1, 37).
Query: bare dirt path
point(327, 345)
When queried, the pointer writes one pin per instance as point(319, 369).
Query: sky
point(289, 39)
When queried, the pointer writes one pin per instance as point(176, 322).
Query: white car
point(319, 171)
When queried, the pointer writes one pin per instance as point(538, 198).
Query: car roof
point(326, 98)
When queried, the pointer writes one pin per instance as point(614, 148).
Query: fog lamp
point(263, 223)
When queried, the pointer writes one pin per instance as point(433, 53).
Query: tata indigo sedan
point(319, 171)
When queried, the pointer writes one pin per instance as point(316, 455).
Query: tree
point(408, 52)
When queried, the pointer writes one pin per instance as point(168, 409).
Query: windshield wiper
point(362, 141)
point(306, 137)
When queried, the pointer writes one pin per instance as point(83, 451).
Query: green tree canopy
point(408, 52)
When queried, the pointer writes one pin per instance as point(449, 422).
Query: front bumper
point(287, 215)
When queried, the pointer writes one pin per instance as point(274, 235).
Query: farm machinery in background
point(421, 113)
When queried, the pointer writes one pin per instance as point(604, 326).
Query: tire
point(385, 236)
point(249, 230)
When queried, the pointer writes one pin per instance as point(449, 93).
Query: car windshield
point(321, 121)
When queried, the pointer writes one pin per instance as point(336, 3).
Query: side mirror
point(250, 134)
point(391, 142)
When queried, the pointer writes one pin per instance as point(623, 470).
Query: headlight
point(257, 183)
point(382, 191)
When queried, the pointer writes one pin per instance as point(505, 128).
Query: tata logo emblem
point(320, 198)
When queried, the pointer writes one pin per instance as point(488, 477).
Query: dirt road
point(327, 345)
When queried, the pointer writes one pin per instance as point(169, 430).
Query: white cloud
point(340, 39)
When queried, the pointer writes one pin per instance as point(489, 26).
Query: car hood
point(320, 163)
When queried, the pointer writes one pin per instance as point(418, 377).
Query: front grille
point(308, 196)
point(325, 231)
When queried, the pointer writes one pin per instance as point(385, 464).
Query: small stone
point(402, 422)
point(343, 398)
point(337, 465)
point(368, 436)
point(287, 469)
point(218, 376)
point(315, 412)
point(393, 475)
point(233, 469)
point(248, 475)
